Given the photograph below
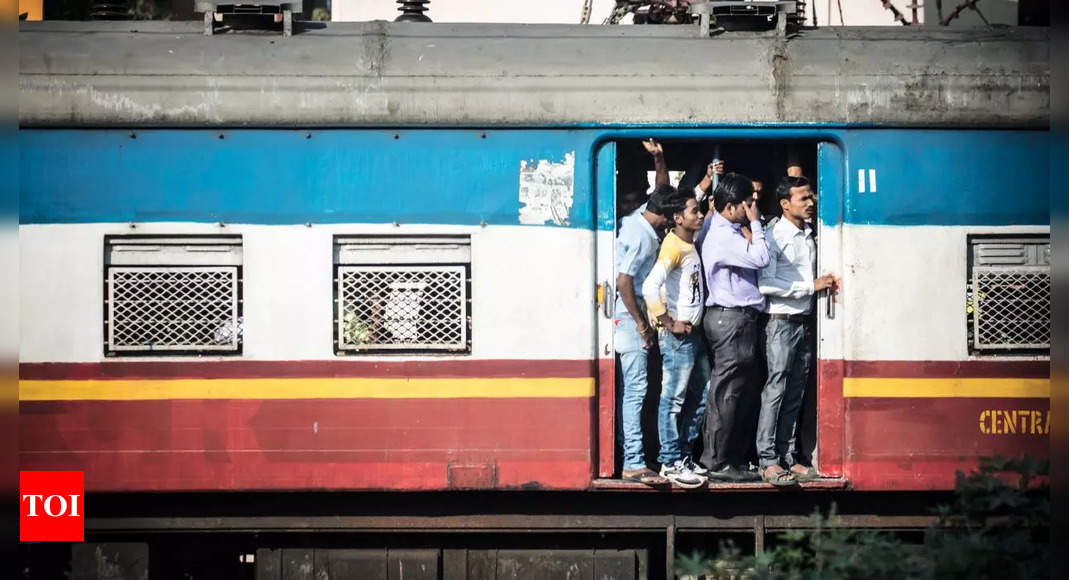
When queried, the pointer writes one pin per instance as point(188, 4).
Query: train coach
point(378, 256)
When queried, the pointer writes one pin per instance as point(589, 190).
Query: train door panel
point(830, 312)
point(605, 231)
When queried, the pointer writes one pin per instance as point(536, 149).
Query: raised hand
point(653, 148)
point(752, 214)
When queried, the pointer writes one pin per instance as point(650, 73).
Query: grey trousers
point(732, 336)
point(789, 357)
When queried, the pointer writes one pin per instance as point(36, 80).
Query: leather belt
point(748, 310)
point(797, 318)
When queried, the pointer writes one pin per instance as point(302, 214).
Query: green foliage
point(827, 549)
point(730, 565)
point(355, 330)
point(997, 527)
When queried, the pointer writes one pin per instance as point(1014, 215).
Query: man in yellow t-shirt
point(673, 295)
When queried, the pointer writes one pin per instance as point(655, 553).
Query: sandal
point(645, 476)
point(809, 474)
point(778, 476)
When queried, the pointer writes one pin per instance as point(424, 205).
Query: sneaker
point(680, 475)
point(695, 466)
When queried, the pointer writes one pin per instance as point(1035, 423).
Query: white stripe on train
point(532, 289)
point(903, 294)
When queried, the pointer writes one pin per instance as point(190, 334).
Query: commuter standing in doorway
point(790, 283)
point(750, 404)
point(637, 245)
point(673, 295)
point(731, 263)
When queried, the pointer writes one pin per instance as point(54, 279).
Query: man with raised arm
point(731, 262)
point(660, 166)
point(637, 245)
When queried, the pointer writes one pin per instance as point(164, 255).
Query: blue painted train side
point(934, 177)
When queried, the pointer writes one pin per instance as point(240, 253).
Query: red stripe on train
point(472, 368)
point(918, 443)
point(905, 443)
point(312, 444)
point(965, 369)
point(606, 417)
point(830, 411)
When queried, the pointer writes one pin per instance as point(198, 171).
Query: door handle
point(829, 311)
point(604, 292)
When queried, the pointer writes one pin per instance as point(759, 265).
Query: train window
point(402, 294)
point(172, 294)
point(1008, 294)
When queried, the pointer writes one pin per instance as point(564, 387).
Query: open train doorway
point(628, 171)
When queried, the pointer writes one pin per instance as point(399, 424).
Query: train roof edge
point(146, 74)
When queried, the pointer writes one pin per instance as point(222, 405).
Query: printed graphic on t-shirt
point(675, 283)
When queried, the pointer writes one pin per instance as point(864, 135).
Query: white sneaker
point(695, 466)
point(680, 475)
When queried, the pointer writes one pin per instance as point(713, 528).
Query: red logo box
point(52, 506)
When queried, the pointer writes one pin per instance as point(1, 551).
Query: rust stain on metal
point(472, 475)
point(780, 65)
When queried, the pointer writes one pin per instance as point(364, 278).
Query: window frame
point(173, 253)
point(402, 253)
point(1027, 264)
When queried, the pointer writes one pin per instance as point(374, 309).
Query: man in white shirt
point(790, 284)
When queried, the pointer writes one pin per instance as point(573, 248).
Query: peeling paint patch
point(546, 190)
point(120, 105)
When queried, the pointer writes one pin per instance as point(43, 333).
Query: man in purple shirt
point(731, 264)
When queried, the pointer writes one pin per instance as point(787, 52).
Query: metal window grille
point(1010, 294)
point(403, 307)
point(173, 308)
point(403, 293)
point(172, 294)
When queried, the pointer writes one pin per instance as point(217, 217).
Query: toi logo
point(51, 506)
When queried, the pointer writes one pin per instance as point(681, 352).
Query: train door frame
point(831, 411)
point(604, 185)
point(831, 160)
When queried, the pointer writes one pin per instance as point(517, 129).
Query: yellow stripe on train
point(946, 387)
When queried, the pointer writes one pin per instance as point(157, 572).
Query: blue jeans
point(633, 360)
point(684, 393)
point(789, 358)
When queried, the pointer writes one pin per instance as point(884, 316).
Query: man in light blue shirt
point(637, 244)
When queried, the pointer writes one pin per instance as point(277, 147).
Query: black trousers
point(732, 337)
